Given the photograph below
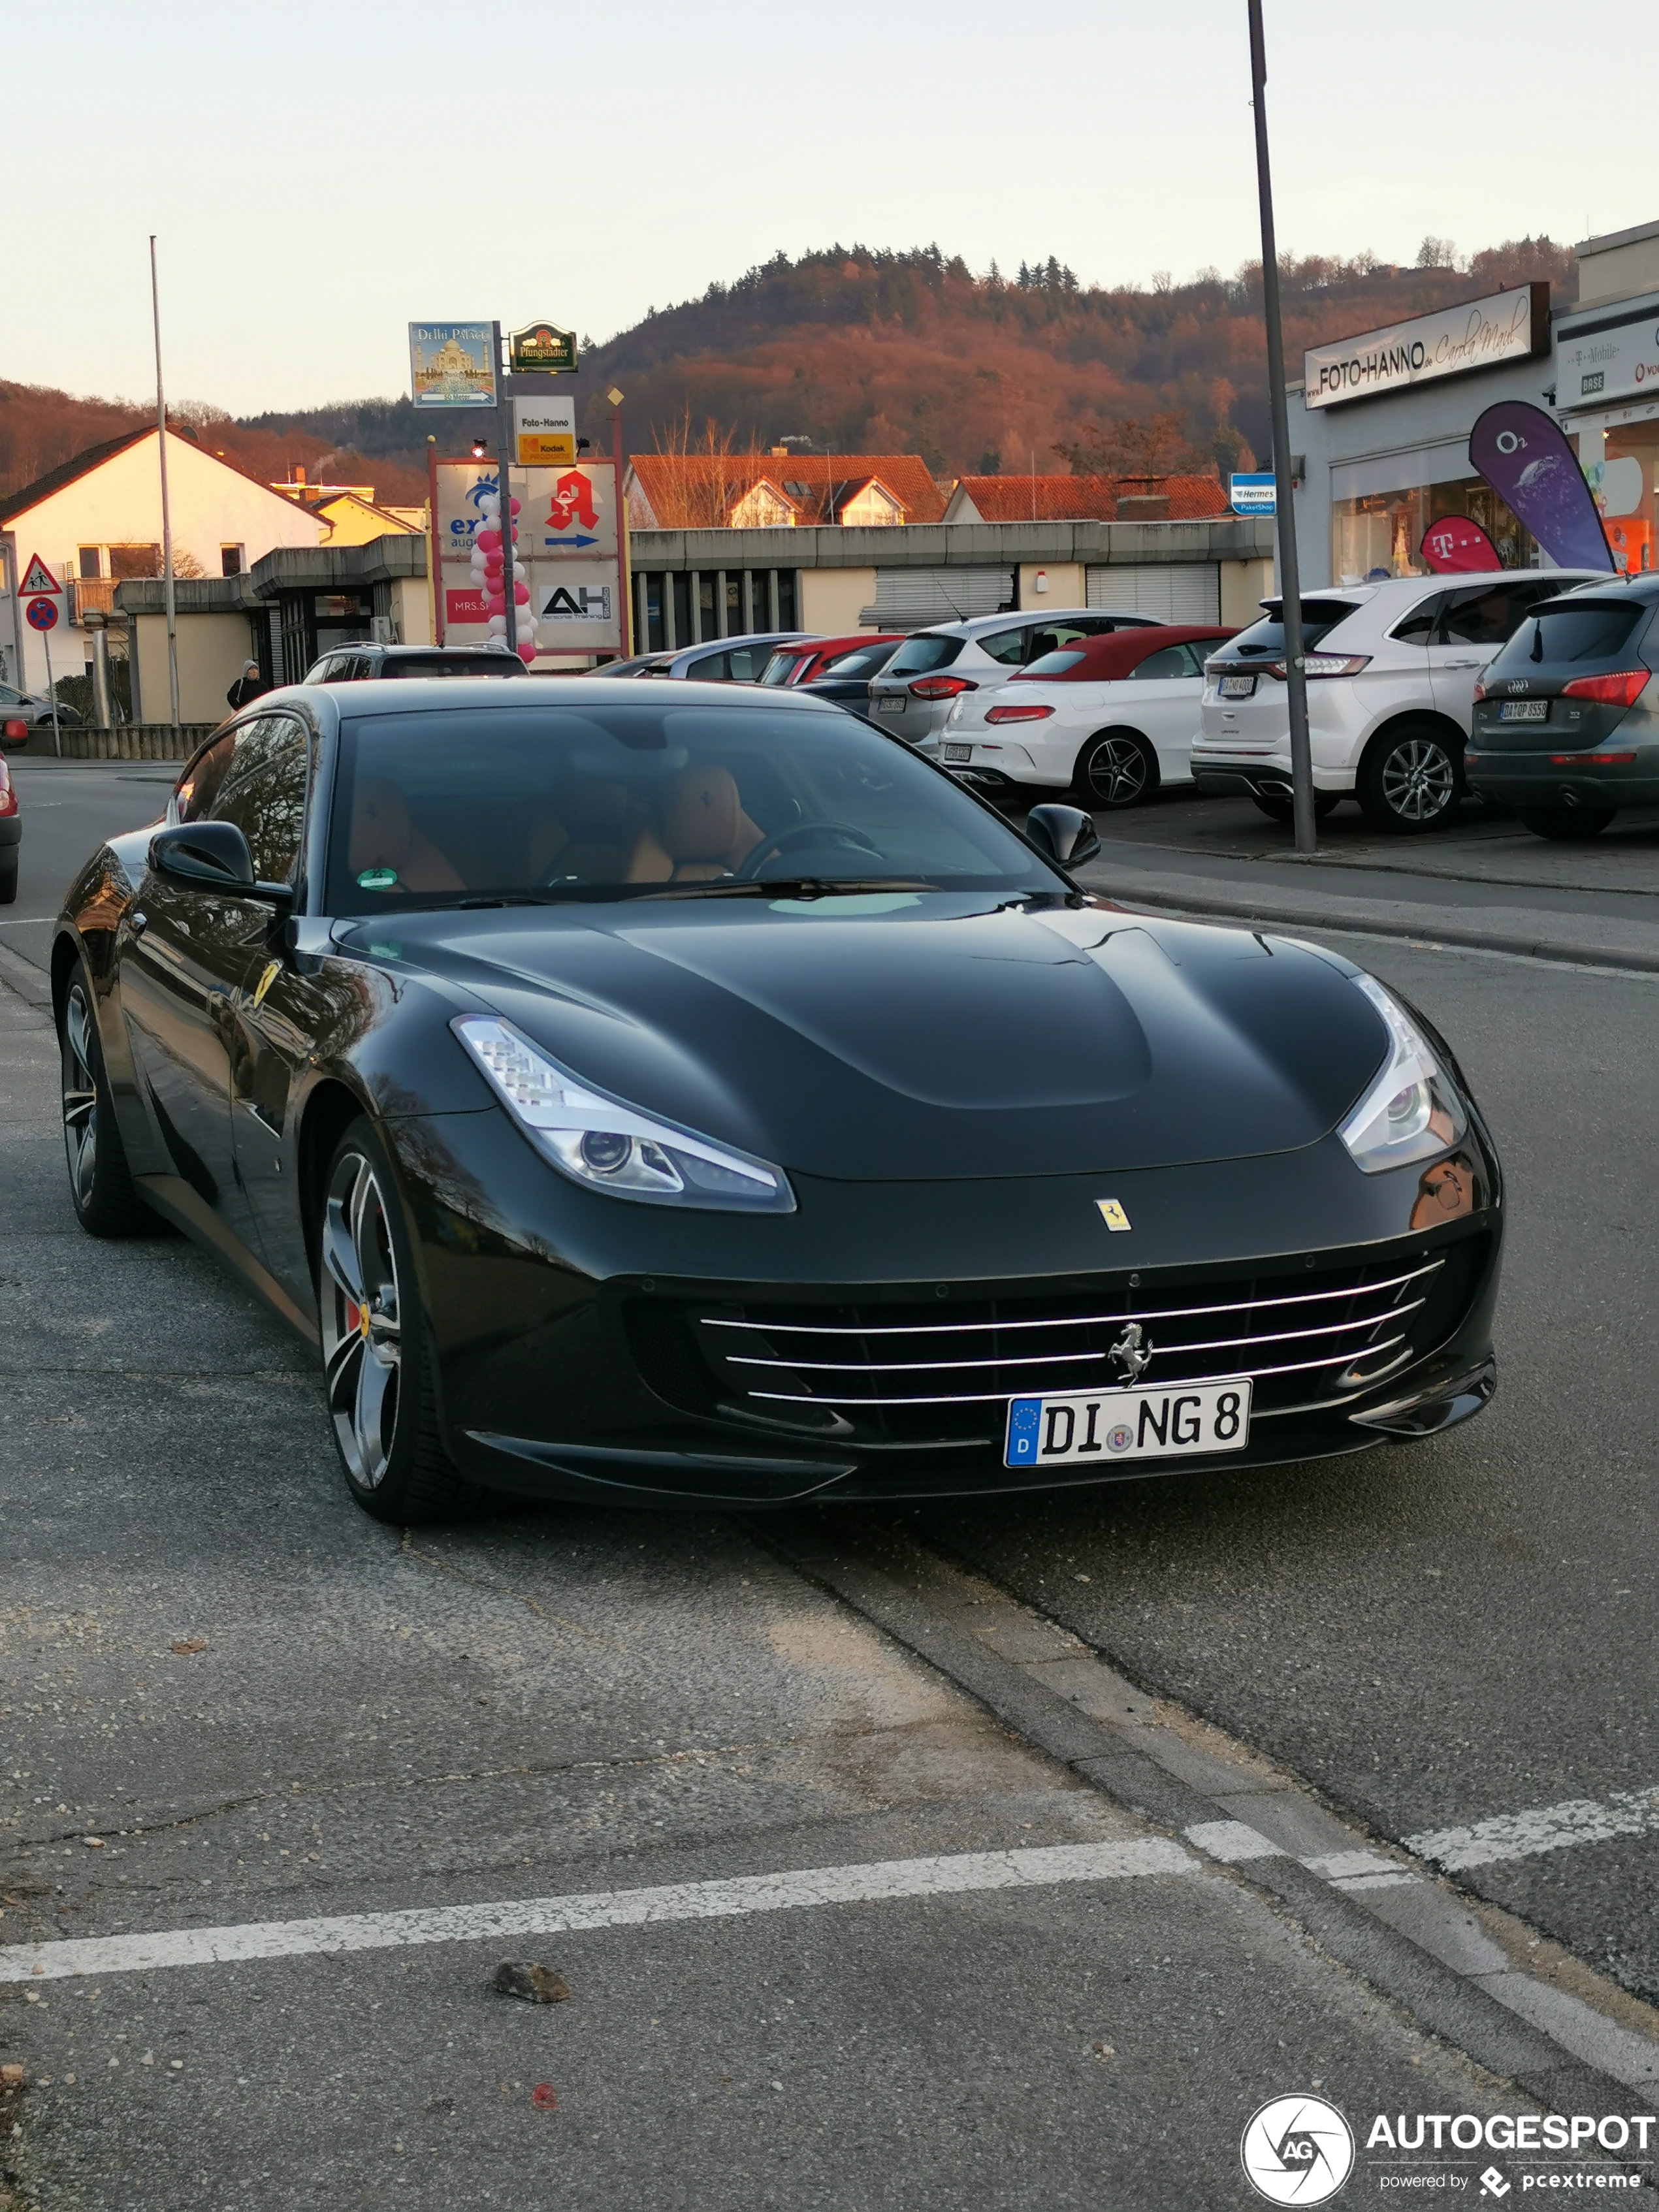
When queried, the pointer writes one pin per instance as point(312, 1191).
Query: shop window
point(788, 618)
point(1625, 495)
point(1382, 534)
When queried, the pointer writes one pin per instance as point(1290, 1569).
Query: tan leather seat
point(701, 831)
point(383, 836)
point(588, 840)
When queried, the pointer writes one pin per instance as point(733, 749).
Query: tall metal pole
point(504, 444)
point(51, 694)
point(1290, 580)
point(166, 518)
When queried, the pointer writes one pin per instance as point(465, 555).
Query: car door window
point(1159, 667)
point(264, 793)
point(1418, 627)
point(1011, 647)
point(1197, 651)
point(713, 668)
point(1488, 614)
point(744, 662)
point(198, 786)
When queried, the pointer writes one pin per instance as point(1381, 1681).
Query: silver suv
point(1391, 670)
point(913, 694)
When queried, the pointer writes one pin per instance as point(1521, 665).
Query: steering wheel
point(842, 833)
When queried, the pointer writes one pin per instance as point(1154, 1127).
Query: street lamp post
point(1290, 581)
point(504, 445)
point(169, 594)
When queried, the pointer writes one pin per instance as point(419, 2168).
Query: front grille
point(915, 1374)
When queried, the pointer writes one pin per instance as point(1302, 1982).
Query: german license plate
point(1524, 710)
point(1107, 1428)
point(1236, 687)
point(890, 705)
point(958, 752)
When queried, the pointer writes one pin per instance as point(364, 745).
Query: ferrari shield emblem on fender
point(1112, 1213)
point(273, 969)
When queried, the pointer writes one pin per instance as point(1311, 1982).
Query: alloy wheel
point(1419, 780)
point(80, 1097)
point(1116, 772)
point(362, 1342)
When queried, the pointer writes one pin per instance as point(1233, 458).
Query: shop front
point(1607, 385)
point(1380, 433)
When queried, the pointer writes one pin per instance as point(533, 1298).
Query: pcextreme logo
point(1296, 2150)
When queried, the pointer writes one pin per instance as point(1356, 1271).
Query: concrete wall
point(1067, 585)
point(411, 609)
point(1244, 585)
point(1619, 265)
point(211, 651)
point(831, 600)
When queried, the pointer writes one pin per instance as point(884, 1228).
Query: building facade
point(1606, 384)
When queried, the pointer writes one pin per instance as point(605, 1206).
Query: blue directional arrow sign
point(567, 545)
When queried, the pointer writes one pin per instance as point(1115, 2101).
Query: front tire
point(1565, 823)
point(101, 1190)
point(1410, 779)
point(1116, 768)
point(378, 1374)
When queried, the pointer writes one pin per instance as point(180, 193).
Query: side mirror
point(211, 856)
point(1065, 834)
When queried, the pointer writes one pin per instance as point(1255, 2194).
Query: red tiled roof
point(826, 481)
point(1090, 498)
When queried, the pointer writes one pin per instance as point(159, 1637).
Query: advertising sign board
point(1252, 495)
point(546, 347)
point(543, 430)
point(1506, 327)
point(451, 365)
point(1605, 358)
point(568, 553)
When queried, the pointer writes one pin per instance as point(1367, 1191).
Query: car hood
point(917, 1038)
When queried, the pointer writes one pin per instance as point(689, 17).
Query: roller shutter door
point(912, 598)
point(1175, 591)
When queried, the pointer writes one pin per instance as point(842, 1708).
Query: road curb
point(1561, 953)
point(32, 985)
point(1441, 1958)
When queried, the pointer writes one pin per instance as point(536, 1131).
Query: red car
point(11, 833)
point(804, 659)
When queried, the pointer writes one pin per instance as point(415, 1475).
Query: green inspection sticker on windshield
point(378, 879)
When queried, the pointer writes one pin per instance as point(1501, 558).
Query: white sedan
point(1108, 718)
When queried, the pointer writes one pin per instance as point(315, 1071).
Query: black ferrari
point(708, 1099)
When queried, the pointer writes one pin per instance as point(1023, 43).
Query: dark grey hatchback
point(1566, 718)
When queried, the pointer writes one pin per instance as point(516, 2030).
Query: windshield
point(1265, 640)
point(600, 801)
point(1587, 630)
point(918, 654)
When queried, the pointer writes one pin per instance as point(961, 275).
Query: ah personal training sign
point(1506, 327)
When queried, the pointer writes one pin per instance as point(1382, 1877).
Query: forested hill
point(867, 351)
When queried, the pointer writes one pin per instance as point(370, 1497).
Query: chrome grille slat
point(1073, 1321)
point(1049, 1358)
point(990, 1397)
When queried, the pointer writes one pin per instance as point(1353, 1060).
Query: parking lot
point(229, 1700)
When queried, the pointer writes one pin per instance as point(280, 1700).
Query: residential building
point(1086, 499)
point(781, 489)
point(97, 521)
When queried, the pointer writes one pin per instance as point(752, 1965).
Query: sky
point(320, 175)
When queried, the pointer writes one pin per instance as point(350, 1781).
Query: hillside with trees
point(859, 350)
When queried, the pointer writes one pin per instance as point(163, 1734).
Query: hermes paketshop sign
point(1509, 327)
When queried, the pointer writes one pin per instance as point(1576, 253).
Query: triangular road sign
point(39, 579)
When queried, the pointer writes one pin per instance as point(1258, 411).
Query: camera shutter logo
point(1296, 2150)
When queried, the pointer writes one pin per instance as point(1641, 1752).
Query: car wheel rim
point(1116, 773)
point(1418, 780)
point(362, 1344)
point(80, 1098)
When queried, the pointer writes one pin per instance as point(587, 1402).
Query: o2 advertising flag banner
point(1455, 546)
point(1525, 457)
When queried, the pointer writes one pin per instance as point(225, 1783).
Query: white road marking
point(622, 1908)
point(1544, 1828)
point(1233, 1842)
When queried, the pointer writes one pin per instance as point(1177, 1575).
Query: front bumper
point(577, 1356)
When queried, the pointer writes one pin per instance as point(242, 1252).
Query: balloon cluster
point(489, 573)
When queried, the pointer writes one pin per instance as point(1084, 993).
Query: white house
point(97, 520)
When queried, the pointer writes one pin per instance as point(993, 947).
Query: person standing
point(247, 686)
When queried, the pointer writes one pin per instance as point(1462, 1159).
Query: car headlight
point(608, 1145)
point(1412, 1111)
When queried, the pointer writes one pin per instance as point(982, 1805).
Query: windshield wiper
point(796, 887)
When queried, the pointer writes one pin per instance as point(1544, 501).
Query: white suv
point(913, 694)
point(1391, 669)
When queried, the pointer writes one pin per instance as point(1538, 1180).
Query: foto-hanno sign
point(1296, 2150)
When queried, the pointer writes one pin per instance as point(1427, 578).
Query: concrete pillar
point(103, 704)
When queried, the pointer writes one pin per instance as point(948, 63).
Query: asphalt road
point(266, 1707)
point(67, 813)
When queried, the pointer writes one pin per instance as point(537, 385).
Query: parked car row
point(1421, 690)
